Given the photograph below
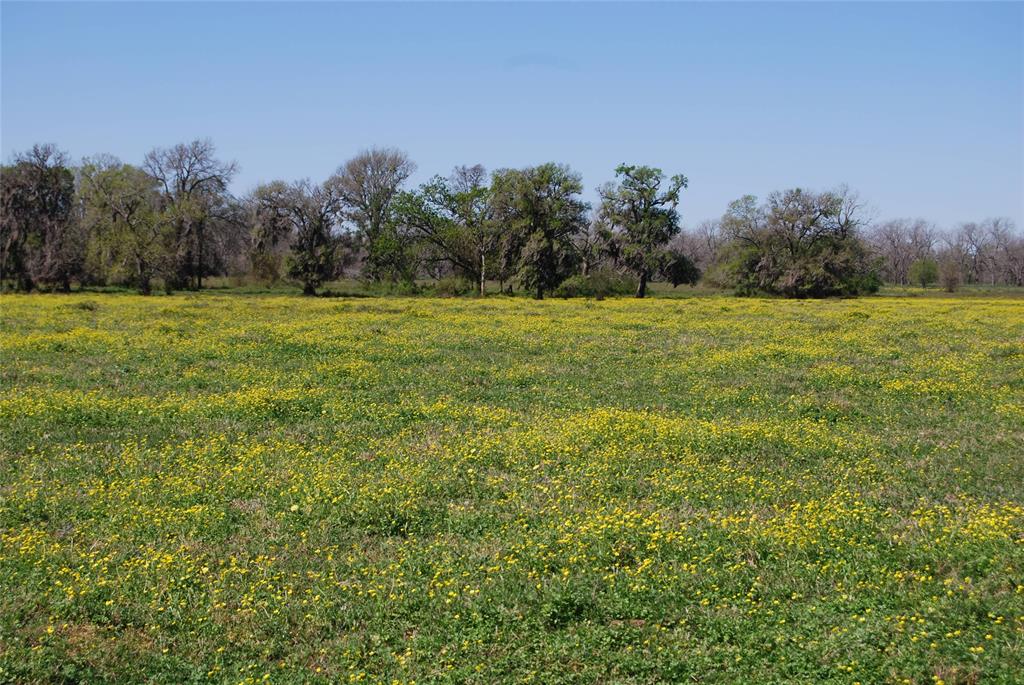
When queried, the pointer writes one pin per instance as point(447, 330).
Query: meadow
point(245, 489)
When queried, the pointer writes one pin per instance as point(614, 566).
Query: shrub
point(384, 288)
point(600, 284)
point(924, 272)
point(679, 269)
point(949, 275)
point(453, 286)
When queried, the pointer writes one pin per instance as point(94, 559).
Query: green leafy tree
point(270, 228)
point(924, 272)
point(641, 211)
point(453, 215)
point(678, 269)
point(122, 205)
point(798, 244)
point(541, 207)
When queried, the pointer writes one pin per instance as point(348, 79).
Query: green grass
point(225, 487)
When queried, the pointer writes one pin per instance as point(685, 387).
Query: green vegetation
point(172, 222)
point(236, 488)
point(924, 272)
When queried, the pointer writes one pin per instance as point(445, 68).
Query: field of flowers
point(226, 488)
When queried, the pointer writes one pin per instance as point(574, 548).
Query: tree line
point(171, 221)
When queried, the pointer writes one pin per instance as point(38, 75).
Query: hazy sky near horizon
point(918, 106)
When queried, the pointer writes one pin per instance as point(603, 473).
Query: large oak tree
point(541, 205)
point(640, 210)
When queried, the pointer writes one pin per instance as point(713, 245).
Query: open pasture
point(227, 488)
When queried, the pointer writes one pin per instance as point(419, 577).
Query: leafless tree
point(194, 185)
point(366, 185)
point(900, 243)
point(1004, 259)
point(703, 242)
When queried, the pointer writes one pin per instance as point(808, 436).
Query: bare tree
point(891, 240)
point(1004, 259)
point(1014, 260)
point(194, 185)
point(976, 250)
point(702, 243)
point(594, 244)
point(366, 185)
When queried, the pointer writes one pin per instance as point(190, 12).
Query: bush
point(266, 267)
point(949, 275)
point(453, 286)
point(385, 288)
point(679, 269)
point(832, 269)
point(600, 284)
point(924, 272)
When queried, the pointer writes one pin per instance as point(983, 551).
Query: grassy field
point(235, 488)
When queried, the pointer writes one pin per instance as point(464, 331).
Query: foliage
point(453, 216)
point(271, 229)
point(172, 220)
point(223, 488)
point(367, 186)
point(129, 230)
point(599, 283)
point(454, 286)
point(314, 211)
point(949, 275)
point(798, 244)
point(641, 217)
point(196, 202)
point(542, 208)
point(678, 269)
point(38, 240)
point(924, 272)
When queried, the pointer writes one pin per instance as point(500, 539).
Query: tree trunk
point(540, 292)
point(308, 289)
point(199, 261)
point(483, 274)
point(641, 287)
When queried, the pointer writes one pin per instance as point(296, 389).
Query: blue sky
point(918, 106)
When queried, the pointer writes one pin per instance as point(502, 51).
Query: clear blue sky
point(918, 106)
